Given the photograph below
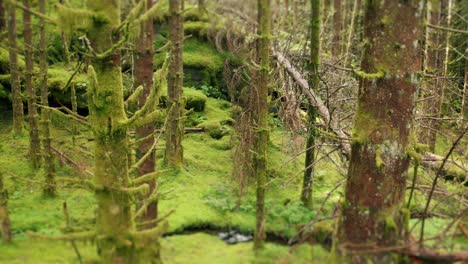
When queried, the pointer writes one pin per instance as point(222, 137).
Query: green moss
point(371, 76)
point(5, 61)
point(194, 99)
point(390, 225)
point(197, 54)
point(197, 28)
point(378, 157)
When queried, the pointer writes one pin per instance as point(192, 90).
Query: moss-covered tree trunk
point(175, 103)
point(48, 158)
point(17, 101)
point(34, 141)
point(307, 184)
point(144, 77)
point(372, 214)
point(117, 240)
point(5, 226)
point(430, 85)
point(261, 116)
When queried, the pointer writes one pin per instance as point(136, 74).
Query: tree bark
point(314, 81)
point(430, 85)
point(48, 158)
point(372, 213)
point(336, 28)
point(144, 77)
point(5, 225)
point(2, 16)
point(17, 101)
point(117, 238)
point(261, 116)
point(34, 141)
point(175, 126)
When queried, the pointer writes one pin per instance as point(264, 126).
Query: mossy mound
point(195, 100)
point(214, 129)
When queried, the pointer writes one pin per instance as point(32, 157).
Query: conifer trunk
point(144, 77)
point(17, 101)
point(430, 84)
point(2, 16)
point(307, 186)
point(5, 225)
point(34, 141)
point(48, 158)
point(175, 103)
point(261, 117)
point(336, 28)
point(372, 213)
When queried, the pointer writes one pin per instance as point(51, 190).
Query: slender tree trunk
point(463, 99)
point(5, 225)
point(372, 213)
point(144, 77)
point(66, 53)
point(336, 28)
point(175, 105)
point(261, 117)
point(2, 16)
point(314, 81)
point(354, 16)
point(446, 56)
point(34, 141)
point(430, 84)
point(49, 185)
point(18, 115)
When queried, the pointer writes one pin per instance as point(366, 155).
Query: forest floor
point(202, 196)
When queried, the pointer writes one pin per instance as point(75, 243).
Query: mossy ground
point(202, 195)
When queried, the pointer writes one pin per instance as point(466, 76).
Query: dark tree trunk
point(336, 28)
point(307, 184)
point(5, 225)
point(261, 116)
point(49, 184)
point(2, 16)
point(144, 77)
point(372, 213)
point(34, 141)
point(175, 126)
point(18, 114)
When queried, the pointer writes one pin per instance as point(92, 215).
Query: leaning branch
point(429, 160)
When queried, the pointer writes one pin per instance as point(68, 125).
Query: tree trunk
point(372, 213)
point(117, 238)
point(430, 84)
point(314, 81)
point(336, 28)
point(175, 103)
point(354, 16)
point(2, 16)
point(261, 117)
point(66, 53)
point(34, 141)
point(5, 225)
point(49, 184)
point(17, 101)
point(144, 77)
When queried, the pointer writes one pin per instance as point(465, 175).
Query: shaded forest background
point(229, 131)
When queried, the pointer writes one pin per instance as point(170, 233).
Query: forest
point(233, 131)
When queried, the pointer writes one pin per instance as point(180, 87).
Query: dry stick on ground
point(434, 183)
